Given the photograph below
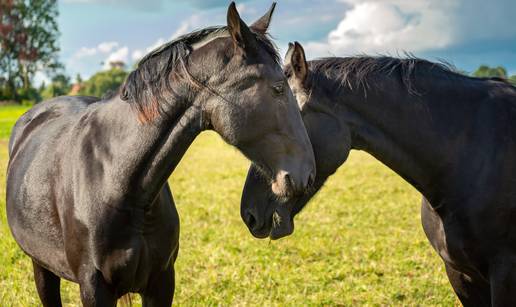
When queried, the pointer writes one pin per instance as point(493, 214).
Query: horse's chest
point(162, 243)
point(140, 248)
point(452, 239)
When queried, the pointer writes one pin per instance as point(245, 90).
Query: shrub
point(103, 82)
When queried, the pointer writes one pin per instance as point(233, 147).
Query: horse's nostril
point(311, 180)
point(251, 220)
point(289, 181)
point(287, 178)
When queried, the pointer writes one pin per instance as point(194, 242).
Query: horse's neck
point(143, 155)
point(172, 145)
point(401, 131)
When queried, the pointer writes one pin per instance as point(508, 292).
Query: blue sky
point(466, 33)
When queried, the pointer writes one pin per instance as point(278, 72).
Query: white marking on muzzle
point(276, 219)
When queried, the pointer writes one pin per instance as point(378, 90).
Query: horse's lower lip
point(260, 234)
point(275, 235)
point(282, 222)
point(280, 232)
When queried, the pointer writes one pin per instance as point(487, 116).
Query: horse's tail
point(126, 300)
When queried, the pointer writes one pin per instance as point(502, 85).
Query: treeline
point(107, 81)
point(100, 84)
point(485, 71)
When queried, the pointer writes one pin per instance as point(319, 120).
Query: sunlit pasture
point(359, 242)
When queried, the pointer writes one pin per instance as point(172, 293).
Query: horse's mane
point(358, 72)
point(145, 86)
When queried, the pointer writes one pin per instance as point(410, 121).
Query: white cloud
point(119, 55)
point(157, 44)
point(391, 26)
point(242, 8)
point(85, 52)
point(182, 30)
point(193, 22)
point(187, 26)
point(109, 51)
point(137, 54)
point(106, 47)
point(102, 48)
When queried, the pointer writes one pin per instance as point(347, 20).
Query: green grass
point(8, 115)
point(359, 242)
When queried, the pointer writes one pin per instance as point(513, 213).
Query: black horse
point(451, 136)
point(87, 192)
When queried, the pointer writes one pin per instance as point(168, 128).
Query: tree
point(59, 86)
point(78, 79)
point(485, 71)
point(103, 83)
point(513, 79)
point(28, 41)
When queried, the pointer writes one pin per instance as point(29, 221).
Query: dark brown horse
point(87, 192)
point(451, 136)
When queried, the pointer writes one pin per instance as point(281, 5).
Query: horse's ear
point(296, 58)
point(262, 24)
point(288, 55)
point(241, 34)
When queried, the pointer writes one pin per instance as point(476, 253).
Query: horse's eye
point(278, 88)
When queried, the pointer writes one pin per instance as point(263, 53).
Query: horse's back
point(41, 114)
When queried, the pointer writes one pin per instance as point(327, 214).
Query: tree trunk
point(25, 76)
point(12, 89)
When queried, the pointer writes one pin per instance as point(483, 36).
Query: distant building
point(75, 89)
point(117, 65)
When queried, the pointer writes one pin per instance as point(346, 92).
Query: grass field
point(359, 242)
